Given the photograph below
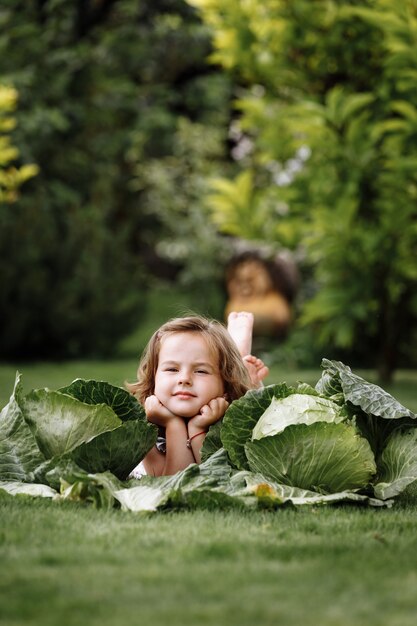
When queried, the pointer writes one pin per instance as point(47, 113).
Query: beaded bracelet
point(189, 440)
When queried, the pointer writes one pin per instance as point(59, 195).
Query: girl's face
point(188, 375)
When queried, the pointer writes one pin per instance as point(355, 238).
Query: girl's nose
point(184, 378)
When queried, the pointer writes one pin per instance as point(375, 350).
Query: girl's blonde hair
point(231, 367)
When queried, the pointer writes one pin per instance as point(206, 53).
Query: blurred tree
point(11, 178)
point(105, 87)
point(172, 189)
point(326, 136)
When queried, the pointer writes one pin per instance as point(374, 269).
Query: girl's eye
point(202, 371)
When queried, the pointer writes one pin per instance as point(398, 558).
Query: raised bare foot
point(240, 326)
point(257, 370)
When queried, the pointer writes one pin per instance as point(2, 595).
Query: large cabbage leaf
point(378, 414)
point(321, 457)
point(61, 423)
point(371, 398)
point(298, 408)
point(212, 441)
point(19, 452)
point(197, 486)
point(270, 493)
point(80, 420)
point(96, 488)
point(36, 490)
point(120, 400)
point(118, 451)
point(213, 484)
point(397, 465)
point(242, 416)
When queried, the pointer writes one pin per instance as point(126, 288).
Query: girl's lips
point(183, 394)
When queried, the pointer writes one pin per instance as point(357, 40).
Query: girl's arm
point(183, 440)
point(178, 455)
point(199, 424)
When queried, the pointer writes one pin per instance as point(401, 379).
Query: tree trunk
point(386, 364)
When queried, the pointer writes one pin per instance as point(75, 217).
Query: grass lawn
point(329, 566)
point(65, 564)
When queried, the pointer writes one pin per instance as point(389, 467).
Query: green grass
point(329, 566)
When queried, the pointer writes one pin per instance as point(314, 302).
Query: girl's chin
point(188, 416)
point(185, 414)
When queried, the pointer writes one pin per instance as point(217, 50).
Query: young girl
point(190, 371)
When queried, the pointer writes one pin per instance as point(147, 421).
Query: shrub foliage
point(103, 87)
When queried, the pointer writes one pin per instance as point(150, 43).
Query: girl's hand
point(209, 414)
point(157, 413)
